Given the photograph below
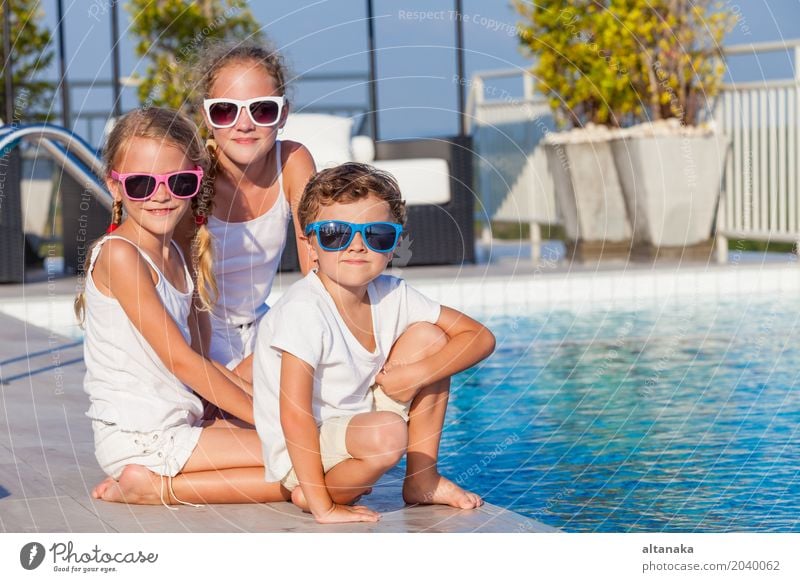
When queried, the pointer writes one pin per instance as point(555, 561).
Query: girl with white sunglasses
point(257, 180)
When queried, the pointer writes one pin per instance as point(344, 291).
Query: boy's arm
point(469, 343)
point(302, 442)
point(301, 433)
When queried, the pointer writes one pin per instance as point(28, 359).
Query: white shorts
point(164, 452)
point(332, 448)
point(230, 344)
point(333, 434)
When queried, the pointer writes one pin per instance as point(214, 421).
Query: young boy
point(352, 368)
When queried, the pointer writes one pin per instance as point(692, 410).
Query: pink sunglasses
point(140, 186)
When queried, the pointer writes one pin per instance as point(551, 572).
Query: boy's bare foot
point(430, 488)
point(136, 485)
point(357, 499)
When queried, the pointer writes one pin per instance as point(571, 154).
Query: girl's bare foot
point(299, 499)
point(430, 488)
point(100, 488)
point(136, 485)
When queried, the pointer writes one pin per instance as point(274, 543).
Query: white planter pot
point(671, 186)
point(588, 192)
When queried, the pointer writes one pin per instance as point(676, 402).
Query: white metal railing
point(513, 179)
point(760, 192)
point(760, 199)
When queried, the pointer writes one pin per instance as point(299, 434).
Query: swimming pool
point(651, 418)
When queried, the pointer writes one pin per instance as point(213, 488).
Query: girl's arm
point(244, 369)
point(126, 274)
point(469, 343)
point(233, 377)
point(297, 170)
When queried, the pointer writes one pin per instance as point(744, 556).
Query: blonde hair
point(167, 125)
point(217, 55)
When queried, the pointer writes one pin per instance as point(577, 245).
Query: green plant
point(681, 65)
point(171, 32)
point(31, 53)
point(618, 62)
point(580, 65)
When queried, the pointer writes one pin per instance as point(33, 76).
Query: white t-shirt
point(306, 323)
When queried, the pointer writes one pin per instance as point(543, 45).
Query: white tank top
point(246, 258)
point(127, 382)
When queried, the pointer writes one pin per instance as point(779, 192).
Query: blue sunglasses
point(336, 235)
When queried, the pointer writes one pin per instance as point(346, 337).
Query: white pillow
point(421, 180)
point(327, 137)
point(363, 149)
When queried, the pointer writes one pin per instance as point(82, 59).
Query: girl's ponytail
point(202, 248)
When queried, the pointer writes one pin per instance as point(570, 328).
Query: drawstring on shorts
point(167, 456)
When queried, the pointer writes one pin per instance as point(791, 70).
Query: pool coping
point(506, 288)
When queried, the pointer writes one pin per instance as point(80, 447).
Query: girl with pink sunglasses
point(150, 437)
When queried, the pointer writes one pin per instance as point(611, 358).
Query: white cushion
point(363, 149)
point(327, 137)
point(421, 180)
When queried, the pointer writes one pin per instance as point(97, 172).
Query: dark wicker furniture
point(12, 237)
point(438, 234)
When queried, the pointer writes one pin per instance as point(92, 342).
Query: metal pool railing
point(761, 185)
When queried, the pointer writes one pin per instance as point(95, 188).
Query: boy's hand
point(348, 514)
point(402, 381)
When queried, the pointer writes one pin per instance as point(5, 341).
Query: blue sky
point(416, 59)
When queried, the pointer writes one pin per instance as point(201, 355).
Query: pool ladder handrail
point(66, 148)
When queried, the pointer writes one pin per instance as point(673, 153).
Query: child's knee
point(389, 439)
point(432, 337)
point(419, 341)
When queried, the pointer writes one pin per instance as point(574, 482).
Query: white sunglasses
point(263, 111)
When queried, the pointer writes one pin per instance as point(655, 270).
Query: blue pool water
point(649, 419)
